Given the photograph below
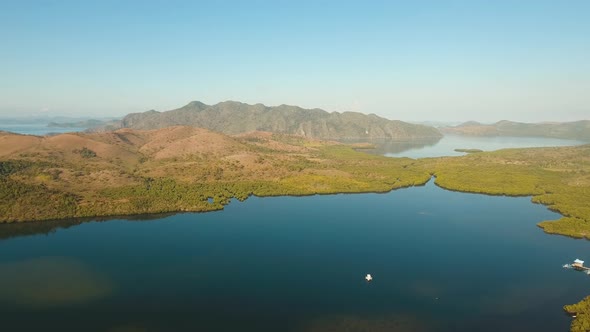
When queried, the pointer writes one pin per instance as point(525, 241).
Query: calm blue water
point(36, 129)
point(446, 146)
point(441, 261)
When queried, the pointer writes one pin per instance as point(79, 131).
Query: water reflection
point(13, 230)
point(50, 281)
point(388, 146)
point(446, 146)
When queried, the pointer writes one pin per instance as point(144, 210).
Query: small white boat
point(368, 277)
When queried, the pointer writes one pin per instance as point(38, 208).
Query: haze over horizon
point(418, 61)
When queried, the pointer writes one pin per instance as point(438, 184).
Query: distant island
point(578, 130)
point(469, 150)
point(78, 124)
point(233, 117)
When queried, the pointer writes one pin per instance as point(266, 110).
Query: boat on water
point(578, 265)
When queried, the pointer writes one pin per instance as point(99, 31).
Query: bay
point(441, 261)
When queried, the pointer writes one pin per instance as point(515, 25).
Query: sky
point(409, 60)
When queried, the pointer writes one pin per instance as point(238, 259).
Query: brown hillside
point(124, 144)
point(173, 142)
point(11, 144)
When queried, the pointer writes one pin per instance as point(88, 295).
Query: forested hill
point(579, 130)
point(232, 117)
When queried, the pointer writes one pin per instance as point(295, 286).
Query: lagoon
point(447, 144)
point(441, 261)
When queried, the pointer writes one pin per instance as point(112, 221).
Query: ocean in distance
point(38, 129)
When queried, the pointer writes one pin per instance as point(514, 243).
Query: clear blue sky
point(408, 60)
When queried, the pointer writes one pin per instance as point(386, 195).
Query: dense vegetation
point(12, 166)
point(581, 310)
point(86, 152)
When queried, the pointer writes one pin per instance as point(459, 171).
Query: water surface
point(38, 129)
point(446, 146)
point(441, 261)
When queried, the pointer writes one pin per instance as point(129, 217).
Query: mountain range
point(232, 118)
